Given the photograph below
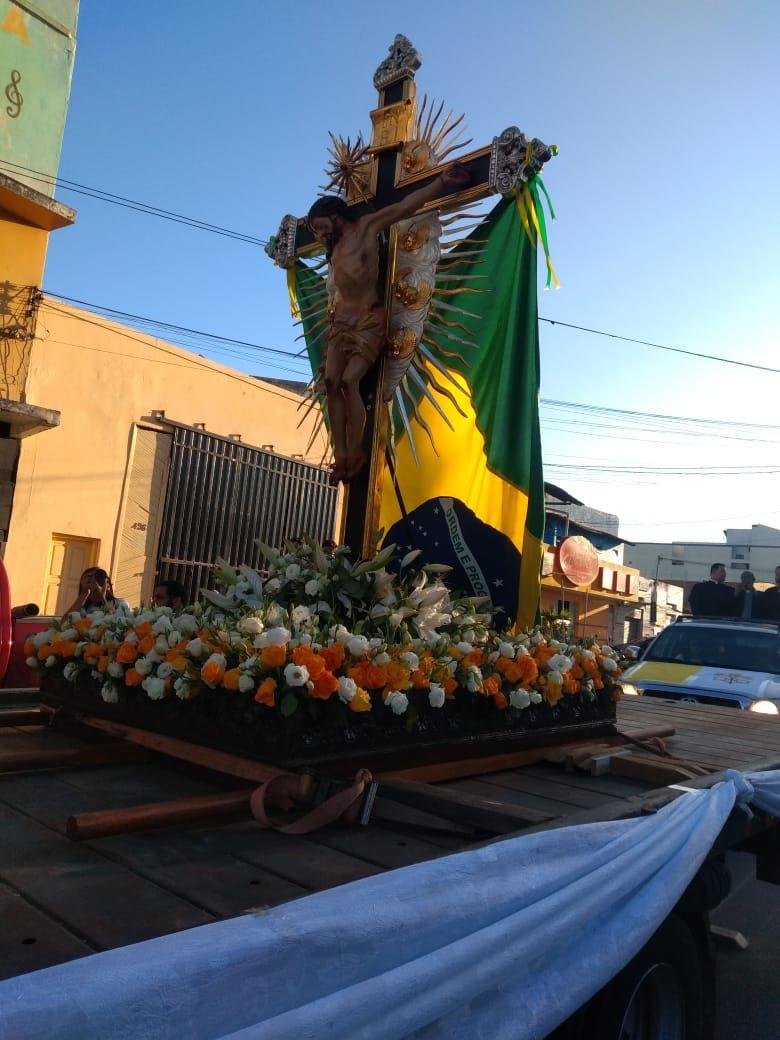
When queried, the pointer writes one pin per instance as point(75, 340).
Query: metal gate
point(222, 495)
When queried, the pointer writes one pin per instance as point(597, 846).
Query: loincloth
point(359, 336)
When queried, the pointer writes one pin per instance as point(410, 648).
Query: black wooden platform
point(61, 899)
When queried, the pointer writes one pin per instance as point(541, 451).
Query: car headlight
point(631, 690)
point(765, 707)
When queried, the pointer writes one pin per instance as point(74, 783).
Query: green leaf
point(289, 705)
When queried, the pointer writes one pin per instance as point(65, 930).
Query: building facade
point(755, 549)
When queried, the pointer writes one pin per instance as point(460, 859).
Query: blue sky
point(665, 190)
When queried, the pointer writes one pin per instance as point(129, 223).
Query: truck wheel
point(662, 994)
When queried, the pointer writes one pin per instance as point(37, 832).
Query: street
point(748, 991)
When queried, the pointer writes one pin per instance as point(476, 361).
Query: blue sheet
point(501, 942)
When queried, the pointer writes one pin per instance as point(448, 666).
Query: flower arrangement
point(320, 640)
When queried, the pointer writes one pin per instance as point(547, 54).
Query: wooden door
point(69, 557)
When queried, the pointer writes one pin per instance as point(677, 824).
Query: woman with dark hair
point(96, 593)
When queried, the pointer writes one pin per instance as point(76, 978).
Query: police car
point(718, 661)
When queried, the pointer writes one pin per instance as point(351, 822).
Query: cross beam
point(501, 167)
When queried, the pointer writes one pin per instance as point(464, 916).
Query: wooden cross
point(501, 167)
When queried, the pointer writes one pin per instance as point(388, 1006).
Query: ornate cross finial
point(514, 159)
point(281, 246)
point(402, 61)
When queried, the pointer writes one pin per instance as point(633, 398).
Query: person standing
point(769, 604)
point(170, 593)
point(747, 599)
point(712, 598)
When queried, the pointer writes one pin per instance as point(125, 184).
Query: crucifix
point(401, 174)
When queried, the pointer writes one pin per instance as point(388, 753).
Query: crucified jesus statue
point(357, 333)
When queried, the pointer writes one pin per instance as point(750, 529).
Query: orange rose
point(103, 663)
point(29, 648)
point(492, 685)
point(63, 648)
point(397, 676)
point(370, 676)
point(212, 673)
point(570, 685)
point(450, 686)
point(266, 693)
point(146, 645)
point(314, 663)
point(133, 678)
point(273, 657)
point(420, 680)
point(126, 654)
point(230, 679)
point(500, 700)
point(178, 663)
point(143, 630)
point(83, 624)
point(361, 701)
point(44, 652)
point(325, 685)
point(552, 694)
point(523, 670)
point(473, 658)
point(92, 652)
point(333, 656)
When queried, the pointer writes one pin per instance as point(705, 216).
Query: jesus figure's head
point(327, 218)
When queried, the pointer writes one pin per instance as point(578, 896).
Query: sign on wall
point(37, 47)
point(577, 560)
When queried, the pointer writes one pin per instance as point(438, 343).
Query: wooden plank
point(31, 939)
point(608, 785)
point(175, 812)
point(580, 797)
point(435, 829)
point(56, 758)
point(381, 845)
point(300, 860)
point(99, 900)
point(475, 810)
point(23, 717)
point(547, 805)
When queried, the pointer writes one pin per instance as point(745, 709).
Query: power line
point(131, 204)
point(662, 346)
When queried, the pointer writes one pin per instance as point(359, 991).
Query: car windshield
point(718, 648)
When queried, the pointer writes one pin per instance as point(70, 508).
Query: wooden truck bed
point(61, 899)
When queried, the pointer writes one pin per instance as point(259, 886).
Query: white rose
point(186, 623)
point(465, 647)
point(560, 663)
point(296, 675)
point(246, 683)
point(357, 645)
point(293, 572)
point(71, 670)
point(347, 689)
point(555, 677)
point(395, 619)
point(375, 642)
point(182, 688)
point(382, 659)
point(536, 698)
point(173, 638)
point(250, 626)
point(273, 585)
point(109, 693)
point(301, 615)
point(411, 660)
point(589, 654)
point(312, 587)
point(609, 664)
point(161, 646)
point(522, 651)
point(51, 660)
point(537, 638)
point(276, 636)
point(44, 637)
point(519, 698)
point(155, 688)
point(143, 666)
point(506, 650)
point(436, 696)
point(398, 701)
point(342, 634)
point(116, 670)
point(162, 626)
point(607, 651)
point(164, 670)
point(69, 634)
point(32, 662)
point(473, 679)
point(195, 647)
point(130, 637)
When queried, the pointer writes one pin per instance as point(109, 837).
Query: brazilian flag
point(468, 490)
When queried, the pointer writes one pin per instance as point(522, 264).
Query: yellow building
point(137, 416)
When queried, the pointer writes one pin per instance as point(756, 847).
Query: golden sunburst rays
point(434, 138)
point(348, 169)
